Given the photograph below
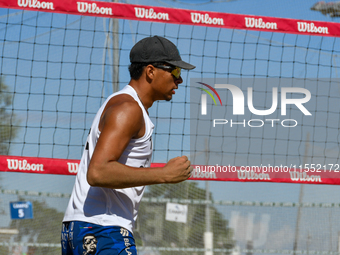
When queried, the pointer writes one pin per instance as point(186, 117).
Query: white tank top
point(104, 206)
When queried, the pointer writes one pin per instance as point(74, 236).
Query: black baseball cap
point(157, 49)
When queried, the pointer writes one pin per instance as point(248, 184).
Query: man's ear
point(150, 72)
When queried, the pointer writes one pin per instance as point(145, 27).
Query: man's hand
point(178, 169)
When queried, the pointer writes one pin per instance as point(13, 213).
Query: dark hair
point(136, 69)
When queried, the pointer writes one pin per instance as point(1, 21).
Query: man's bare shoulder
point(123, 110)
point(124, 103)
point(121, 98)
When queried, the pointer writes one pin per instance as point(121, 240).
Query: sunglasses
point(175, 71)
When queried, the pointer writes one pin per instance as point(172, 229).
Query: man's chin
point(168, 98)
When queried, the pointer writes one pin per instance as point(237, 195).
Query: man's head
point(156, 51)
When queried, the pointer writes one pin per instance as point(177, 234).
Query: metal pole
point(339, 242)
point(207, 208)
point(208, 235)
point(115, 53)
point(300, 198)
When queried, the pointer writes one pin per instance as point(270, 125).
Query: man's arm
point(121, 122)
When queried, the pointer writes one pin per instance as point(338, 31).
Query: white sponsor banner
point(176, 212)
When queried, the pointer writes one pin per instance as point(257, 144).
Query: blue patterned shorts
point(82, 238)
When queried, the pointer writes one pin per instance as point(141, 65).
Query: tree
point(8, 120)
point(45, 227)
point(154, 230)
point(8, 127)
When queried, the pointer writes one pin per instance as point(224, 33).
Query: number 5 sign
point(21, 210)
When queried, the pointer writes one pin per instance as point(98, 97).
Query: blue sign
point(21, 210)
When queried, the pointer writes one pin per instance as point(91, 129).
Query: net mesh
point(56, 71)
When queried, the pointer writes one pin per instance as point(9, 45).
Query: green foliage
point(3, 250)
point(8, 120)
point(154, 230)
point(45, 227)
point(8, 127)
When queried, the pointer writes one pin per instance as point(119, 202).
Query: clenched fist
point(178, 169)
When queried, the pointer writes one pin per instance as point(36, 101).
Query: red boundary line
point(202, 173)
point(177, 16)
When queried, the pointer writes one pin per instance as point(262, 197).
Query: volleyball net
point(261, 106)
